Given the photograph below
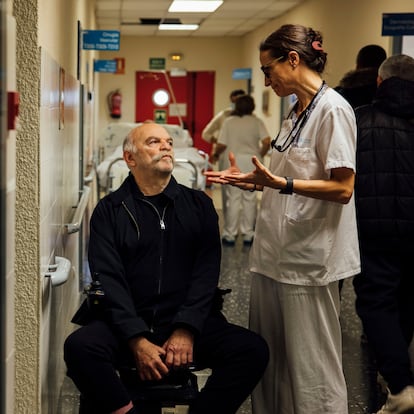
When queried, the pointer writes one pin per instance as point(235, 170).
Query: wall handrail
point(59, 272)
point(89, 178)
point(75, 225)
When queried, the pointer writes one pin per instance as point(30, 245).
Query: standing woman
point(306, 236)
point(244, 134)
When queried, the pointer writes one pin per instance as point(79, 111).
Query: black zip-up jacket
point(384, 188)
point(158, 269)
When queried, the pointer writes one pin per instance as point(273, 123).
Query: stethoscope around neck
point(300, 122)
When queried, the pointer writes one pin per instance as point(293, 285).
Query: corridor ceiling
point(232, 18)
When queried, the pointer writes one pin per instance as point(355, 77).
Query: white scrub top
point(243, 136)
point(301, 240)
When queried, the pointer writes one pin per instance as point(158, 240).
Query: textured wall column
point(27, 266)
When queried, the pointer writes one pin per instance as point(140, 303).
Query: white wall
point(59, 170)
point(408, 45)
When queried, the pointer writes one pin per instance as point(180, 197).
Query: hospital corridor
point(76, 76)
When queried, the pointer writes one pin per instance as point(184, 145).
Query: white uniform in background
point(211, 132)
point(242, 136)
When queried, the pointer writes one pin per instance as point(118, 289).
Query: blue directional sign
point(100, 39)
point(398, 24)
point(242, 73)
point(108, 66)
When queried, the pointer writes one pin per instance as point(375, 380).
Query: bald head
point(140, 132)
point(148, 151)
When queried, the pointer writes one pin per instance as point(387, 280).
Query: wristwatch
point(289, 186)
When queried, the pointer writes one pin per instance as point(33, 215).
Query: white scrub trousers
point(240, 214)
point(241, 206)
point(301, 326)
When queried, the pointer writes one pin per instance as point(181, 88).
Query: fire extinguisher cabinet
point(114, 104)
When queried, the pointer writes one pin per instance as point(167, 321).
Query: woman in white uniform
point(306, 236)
point(244, 134)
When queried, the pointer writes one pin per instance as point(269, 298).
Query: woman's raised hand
point(218, 176)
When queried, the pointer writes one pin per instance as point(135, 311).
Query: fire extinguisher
point(114, 104)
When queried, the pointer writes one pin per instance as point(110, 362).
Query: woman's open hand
point(216, 176)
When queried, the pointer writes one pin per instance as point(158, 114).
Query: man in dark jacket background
point(384, 194)
point(155, 248)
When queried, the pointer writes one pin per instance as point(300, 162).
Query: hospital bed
point(112, 169)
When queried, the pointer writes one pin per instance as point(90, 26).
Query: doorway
point(176, 97)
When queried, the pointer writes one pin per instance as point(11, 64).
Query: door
point(185, 98)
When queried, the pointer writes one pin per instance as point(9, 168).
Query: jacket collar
point(359, 78)
point(129, 187)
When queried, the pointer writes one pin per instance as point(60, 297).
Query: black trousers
point(237, 357)
point(385, 303)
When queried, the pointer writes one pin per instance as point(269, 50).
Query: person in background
point(385, 214)
point(155, 248)
point(358, 86)
point(306, 236)
point(211, 133)
point(244, 134)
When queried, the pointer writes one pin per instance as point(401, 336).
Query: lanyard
point(300, 122)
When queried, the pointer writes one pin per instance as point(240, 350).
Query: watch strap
point(289, 186)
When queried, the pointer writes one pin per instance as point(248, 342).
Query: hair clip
point(317, 45)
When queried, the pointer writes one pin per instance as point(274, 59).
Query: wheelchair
point(171, 395)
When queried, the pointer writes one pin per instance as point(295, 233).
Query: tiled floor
point(363, 391)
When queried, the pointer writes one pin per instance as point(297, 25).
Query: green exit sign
point(157, 63)
point(160, 116)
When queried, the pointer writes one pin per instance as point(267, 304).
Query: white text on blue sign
point(108, 66)
point(100, 39)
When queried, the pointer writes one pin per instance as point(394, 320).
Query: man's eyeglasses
point(266, 68)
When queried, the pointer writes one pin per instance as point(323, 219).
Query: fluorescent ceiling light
point(195, 6)
point(178, 26)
